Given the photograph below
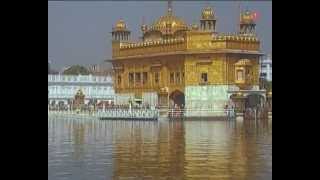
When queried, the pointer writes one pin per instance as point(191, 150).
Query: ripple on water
point(158, 150)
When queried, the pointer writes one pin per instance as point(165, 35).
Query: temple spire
point(169, 7)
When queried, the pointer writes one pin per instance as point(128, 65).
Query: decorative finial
point(207, 4)
point(143, 25)
point(169, 7)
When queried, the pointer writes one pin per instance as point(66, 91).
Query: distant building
point(266, 68)
point(76, 70)
point(63, 88)
point(103, 69)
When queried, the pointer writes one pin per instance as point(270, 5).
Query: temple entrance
point(255, 107)
point(239, 102)
point(250, 101)
point(254, 100)
point(163, 97)
point(138, 98)
point(177, 99)
point(163, 100)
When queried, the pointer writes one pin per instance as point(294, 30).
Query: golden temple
point(190, 66)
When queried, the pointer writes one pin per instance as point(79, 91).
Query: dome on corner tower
point(120, 26)
point(207, 13)
point(247, 17)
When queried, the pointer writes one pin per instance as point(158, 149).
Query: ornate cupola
point(247, 22)
point(208, 20)
point(120, 31)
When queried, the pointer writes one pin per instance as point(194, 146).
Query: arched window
point(131, 79)
point(156, 77)
point(119, 79)
point(178, 77)
point(138, 79)
point(145, 77)
point(204, 77)
point(240, 76)
point(171, 78)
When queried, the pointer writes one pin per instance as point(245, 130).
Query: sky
point(79, 31)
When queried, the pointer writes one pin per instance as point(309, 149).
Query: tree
point(76, 70)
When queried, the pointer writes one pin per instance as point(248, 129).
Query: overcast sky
point(79, 32)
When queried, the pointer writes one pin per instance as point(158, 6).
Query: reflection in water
point(149, 149)
point(93, 149)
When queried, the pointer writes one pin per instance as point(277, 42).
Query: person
point(247, 112)
point(232, 111)
point(226, 109)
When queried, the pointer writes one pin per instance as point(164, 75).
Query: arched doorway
point(254, 100)
point(243, 101)
point(177, 98)
point(238, 99)
point(255, 107)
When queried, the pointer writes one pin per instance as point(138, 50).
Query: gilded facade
point(192, 66)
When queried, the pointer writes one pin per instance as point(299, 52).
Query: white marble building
point(266, 68)
point(64, 87)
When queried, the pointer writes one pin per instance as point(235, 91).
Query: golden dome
point(207, 13)
point(120, 25)
point(247, 17)
point(169, 22)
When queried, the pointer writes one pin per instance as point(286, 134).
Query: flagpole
point(239, 17)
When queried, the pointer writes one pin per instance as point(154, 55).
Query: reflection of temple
point(148, 151)
point(207, 150)
point(225, 150)
point(191, 66)
point(190, 150)
point(247, 149)
point(79, 139)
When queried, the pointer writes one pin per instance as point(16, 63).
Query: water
point(120, 150)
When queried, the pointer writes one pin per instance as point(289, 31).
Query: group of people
point(256, 112)
point(249, 112)
point(124, 106)
point(58, 107)
point(176, 111)
point(230, 111)
point(93, 107)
